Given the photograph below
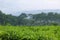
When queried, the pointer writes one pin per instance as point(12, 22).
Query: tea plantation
point(29, 32)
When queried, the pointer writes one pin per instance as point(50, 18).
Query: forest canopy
point(30, 19)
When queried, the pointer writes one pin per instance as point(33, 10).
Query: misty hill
point(35, 11)
point(30, 19)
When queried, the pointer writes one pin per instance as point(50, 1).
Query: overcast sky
point(16, 5)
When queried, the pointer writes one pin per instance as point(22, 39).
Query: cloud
point(15, 5)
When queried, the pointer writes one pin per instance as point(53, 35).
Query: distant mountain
point(35, 12)
point(39, 11)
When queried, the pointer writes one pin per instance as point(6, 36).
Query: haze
point(9, 6)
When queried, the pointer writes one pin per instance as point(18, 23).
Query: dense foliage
point(30, 19)
point(30, 33)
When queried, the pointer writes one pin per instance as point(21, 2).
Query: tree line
point(30, 19)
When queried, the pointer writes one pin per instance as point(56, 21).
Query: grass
point(29, 32)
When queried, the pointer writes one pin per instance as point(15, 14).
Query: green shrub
point(30, 33)
point(9, 36)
